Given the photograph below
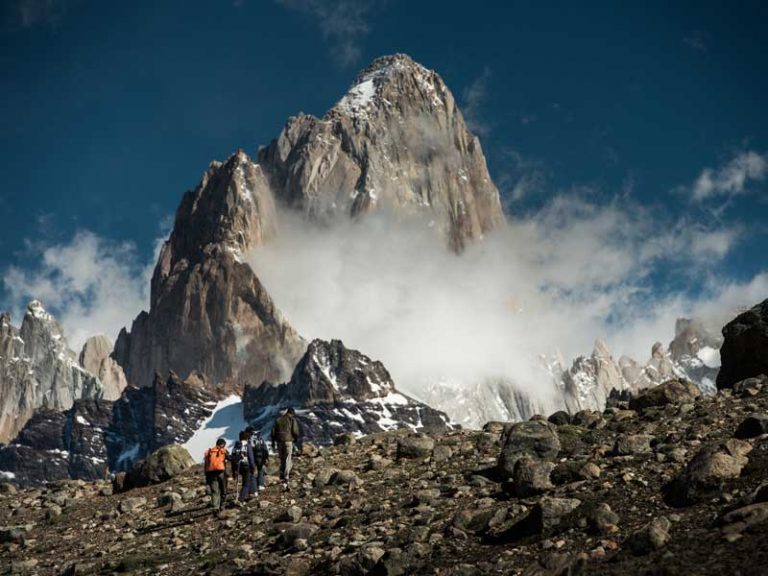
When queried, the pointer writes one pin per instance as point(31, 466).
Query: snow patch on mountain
point(225, 421)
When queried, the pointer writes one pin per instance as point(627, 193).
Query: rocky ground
point(676, 485)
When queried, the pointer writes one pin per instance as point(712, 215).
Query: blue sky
point(111, 110)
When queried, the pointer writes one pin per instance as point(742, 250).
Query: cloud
point(474, 97)
point(92, 285)
point(552, 281)
point(344, 24)
point(731, 179)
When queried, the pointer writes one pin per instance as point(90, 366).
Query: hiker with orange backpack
point(216, 473)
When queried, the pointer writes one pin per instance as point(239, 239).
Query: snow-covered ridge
point(357, 102)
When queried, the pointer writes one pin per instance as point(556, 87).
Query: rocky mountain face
point(696, 352)
point(675, 485)
point(96, 358)
point(396, 139)
point(95, 437)
point(38, 370)
point(337, 390)
point(744, 352)
point(693, 354)
point(208, 311)
point(472, 404)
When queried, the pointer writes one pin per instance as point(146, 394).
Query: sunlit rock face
point(395, 140)
point(208, 311)
point(38, 369)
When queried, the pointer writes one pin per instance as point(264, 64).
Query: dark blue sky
point(111, 110)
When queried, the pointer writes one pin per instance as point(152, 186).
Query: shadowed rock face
point(37, 369)
point(337, 390)
point(208, 310)
point(95, 437)
point(396, 139)
point(744, 353)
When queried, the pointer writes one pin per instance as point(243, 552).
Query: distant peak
point(36, 309)
point(398, 69)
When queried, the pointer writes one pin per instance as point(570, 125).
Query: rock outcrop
point(208, 310)
point(396, 139)
point(38, 370)
point(744, 353)
point(337, 390)
point(96, 358)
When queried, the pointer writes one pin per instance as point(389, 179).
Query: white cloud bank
point(92, 285)
point(553, 281)
point(388, 286)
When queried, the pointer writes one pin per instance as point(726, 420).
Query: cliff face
point(336, 390)
point(38, 370)
point(208, 310)
point(396, 140)
point(95, 437)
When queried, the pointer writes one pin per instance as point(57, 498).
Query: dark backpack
point(240, 455)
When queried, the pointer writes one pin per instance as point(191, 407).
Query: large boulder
point(677, 391)
point(744, 352)
point(534, 439)
point(161, 465)
point(707, 471)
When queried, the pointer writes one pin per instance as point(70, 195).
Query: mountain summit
point(396, 139)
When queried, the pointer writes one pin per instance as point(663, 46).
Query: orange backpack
point(215, 459)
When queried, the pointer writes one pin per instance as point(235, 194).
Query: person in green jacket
point(285, 432)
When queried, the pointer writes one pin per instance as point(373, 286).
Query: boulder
point(291, 533)
point(559, 418)
point(708, 469)
point(650, 537)
point(549, 512)
point(632, 444)
point(753, 425)
point(676, 391)
point(536, 439)
point(161, 465)
point(416, 446)
point(603, 520)
point(744, 353)
point(531, 477)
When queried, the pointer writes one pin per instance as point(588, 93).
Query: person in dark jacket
point(260, 457)
point(242, 453)
point(285, 432)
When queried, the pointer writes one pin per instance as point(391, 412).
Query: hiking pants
point(260, 480)
point(246, 476)
point(285, 450)
point(257, 479)
point(217, 482)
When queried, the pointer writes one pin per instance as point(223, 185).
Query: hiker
point(285, 432)
point(242, 453)
point(215, 473)
point(260, 457)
